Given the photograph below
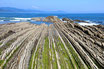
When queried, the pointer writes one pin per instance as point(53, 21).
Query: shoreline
point(66, 45)
point(97, 18)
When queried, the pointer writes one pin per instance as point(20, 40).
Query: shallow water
point(40, 22)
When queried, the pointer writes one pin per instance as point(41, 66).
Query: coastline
point(63, 44)
point(97, 18)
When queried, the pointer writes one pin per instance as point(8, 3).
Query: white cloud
point(35, 7)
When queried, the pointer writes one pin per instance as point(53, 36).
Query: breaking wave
point(23, 19)
point(88, 24)
point(14, 19)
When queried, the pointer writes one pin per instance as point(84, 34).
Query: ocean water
point(96, 18)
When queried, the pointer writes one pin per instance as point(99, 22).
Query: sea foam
point(88, 24)
point(22, 19)
point(1, 20)
point(14, 20)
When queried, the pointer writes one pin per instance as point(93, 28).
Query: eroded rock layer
point(58, 46)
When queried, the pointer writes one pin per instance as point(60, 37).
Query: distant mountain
point(11, 10)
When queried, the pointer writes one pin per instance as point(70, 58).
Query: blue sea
point(96, 18)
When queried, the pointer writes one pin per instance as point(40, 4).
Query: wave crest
point(88, 24)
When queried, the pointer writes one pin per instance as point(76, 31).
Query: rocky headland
point(61, 45)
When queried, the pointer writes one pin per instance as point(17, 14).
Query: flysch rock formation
point(52, 19)
point(61, 45)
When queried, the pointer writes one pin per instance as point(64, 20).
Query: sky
point(71, 6)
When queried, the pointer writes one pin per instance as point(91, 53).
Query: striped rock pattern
point(57, 46)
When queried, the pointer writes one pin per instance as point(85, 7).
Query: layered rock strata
point(61, 45)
